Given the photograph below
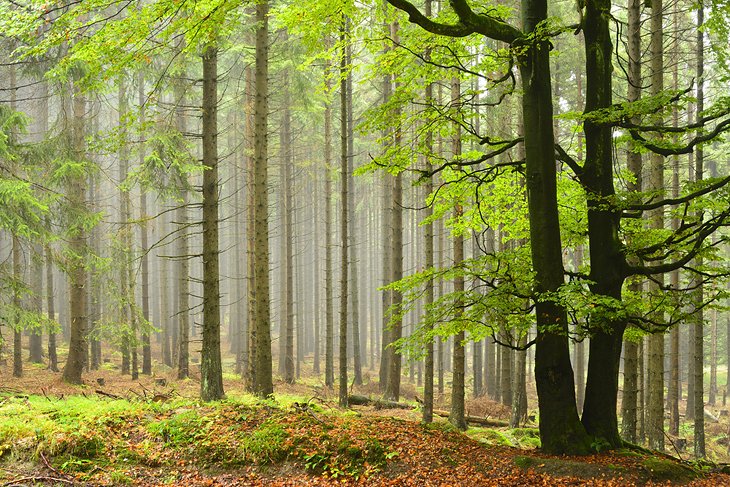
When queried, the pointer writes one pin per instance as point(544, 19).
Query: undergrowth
point(83, 435)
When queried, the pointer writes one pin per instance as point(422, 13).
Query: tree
point(75, 193)
point(211, 371)
point(560, 427)
point(344, 265)
point(260, 329)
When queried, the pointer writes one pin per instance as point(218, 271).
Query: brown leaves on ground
point(323, 449)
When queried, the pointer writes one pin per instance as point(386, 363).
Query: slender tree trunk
point(699, 389)
point(329, 353)
point(211, 370)
point(631, 392)
point(457, 413)
point(144, 248)
point(50, 306)
point(17, 305)
point(655, 406)
point(262, 377)
point(165, 294)
point(248, 341)
point(183, 264)
point(36, 342)
point(386, 354)
point(287, 266)
point(75, 193)
point(344, 34)
point(354, 265)
point(519, 393)
point(673, 390)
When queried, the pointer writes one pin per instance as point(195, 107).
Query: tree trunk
point(519, 393)
point(655, 403)
point(36, 333)
point(632, 389)
point(144, 248)
point(261, 365)
point(457, 413)
point(211, 371)
point(76, 194)
point(560, 429)
point(50, 306)
point(354, 281)
point(17, 305)
point(344, 33)
point(286, 342)
point(698, 297)
point(386, 353)
point(606, 249)
point(182, 269)
point(329, 352)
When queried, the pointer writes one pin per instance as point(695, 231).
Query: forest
point(394, 242)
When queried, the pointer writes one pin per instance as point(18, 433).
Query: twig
point(50, 467)
point(37, 479)
point(673, 445)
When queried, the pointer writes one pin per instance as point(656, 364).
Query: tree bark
point(329, 352)
point(560, 429)
point(343, 397)
point(211, 370)
point(655, 403)
point(262, 376)
point(606, 249)
point(17, 305)
point(75, 192)
point(144, 247)
point(698, 297)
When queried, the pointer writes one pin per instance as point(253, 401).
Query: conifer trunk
point(261, 339)
point(211, 371)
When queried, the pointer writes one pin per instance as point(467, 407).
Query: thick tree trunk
point(560, 429)
point(606, 250)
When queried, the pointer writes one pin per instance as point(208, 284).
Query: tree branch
point(469, 22)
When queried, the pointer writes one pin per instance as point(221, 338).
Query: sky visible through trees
point(524, 203)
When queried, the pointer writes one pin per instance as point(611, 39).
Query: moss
point(664, 469)
point(566, 468)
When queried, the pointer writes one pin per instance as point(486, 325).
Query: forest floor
point(115, 431)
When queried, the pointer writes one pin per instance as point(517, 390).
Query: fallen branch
point(377, 403)
point(107, 394)
point(50, 467)
point(494, 423)
point(24, 480)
